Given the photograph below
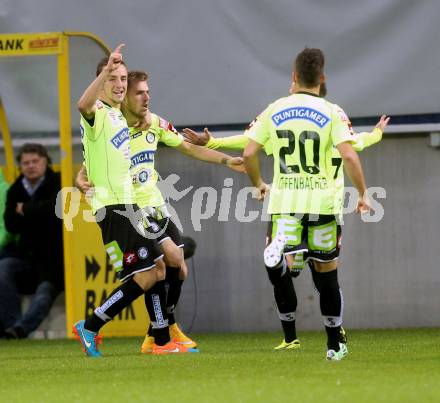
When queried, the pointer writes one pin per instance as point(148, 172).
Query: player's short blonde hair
point(136, 76)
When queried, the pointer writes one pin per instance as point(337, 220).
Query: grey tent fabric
point(215, 62)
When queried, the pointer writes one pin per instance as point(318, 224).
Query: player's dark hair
point(309, 65)
point(102, 63)
point(33, 148)
point(136, 76)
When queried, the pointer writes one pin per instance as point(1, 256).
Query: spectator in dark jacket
point(36, 267)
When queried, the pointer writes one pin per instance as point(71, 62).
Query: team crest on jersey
point(143, 176)
point(143, 252)
point(120, 137)
point(151, 137)
point(300, 112)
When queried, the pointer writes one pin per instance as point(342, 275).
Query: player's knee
point(160, 273)
point(275, 274)
point(160, 270)
point(146, 279)
point(328, 280)
point(183, 271)
point(315, 276)
point(173, 255)
point(174, 258)
point(323, 267)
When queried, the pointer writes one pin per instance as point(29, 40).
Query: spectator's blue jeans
point(13, 273)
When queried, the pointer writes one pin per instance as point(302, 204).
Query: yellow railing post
point(66, 162)
point(7, 144)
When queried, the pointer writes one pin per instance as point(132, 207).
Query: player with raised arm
point(302, 130)
point(143, 143)
point(295, 262)
point(136, 258)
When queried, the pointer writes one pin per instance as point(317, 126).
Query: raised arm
point(367, 139)
point(236, 142)
point(86, 104)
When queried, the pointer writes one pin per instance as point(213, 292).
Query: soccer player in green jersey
point(143, 145)
point(143, 148)
point(295, 262)
point(239, 142)
point(302, 130)
point(136, 258)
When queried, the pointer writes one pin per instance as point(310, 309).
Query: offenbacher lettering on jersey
point(302, 183)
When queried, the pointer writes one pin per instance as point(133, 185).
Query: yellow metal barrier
point(9, 169)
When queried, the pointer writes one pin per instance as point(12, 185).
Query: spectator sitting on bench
point(36, 266)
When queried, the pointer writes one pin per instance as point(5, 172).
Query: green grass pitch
point(382, 366)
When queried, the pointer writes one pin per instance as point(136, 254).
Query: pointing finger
point(118, 48)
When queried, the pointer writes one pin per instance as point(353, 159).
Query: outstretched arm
point(237, 142)
point(207, 155)
point(198, 139)
point(367, 139)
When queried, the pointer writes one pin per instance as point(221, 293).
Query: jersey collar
point(308, 93)
point(105, 103)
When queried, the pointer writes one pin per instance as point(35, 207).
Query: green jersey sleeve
point(93, 131)
point(341, 126)
point(259, 130)
point(168, 134)
point(237, 142)
point(367, 139)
